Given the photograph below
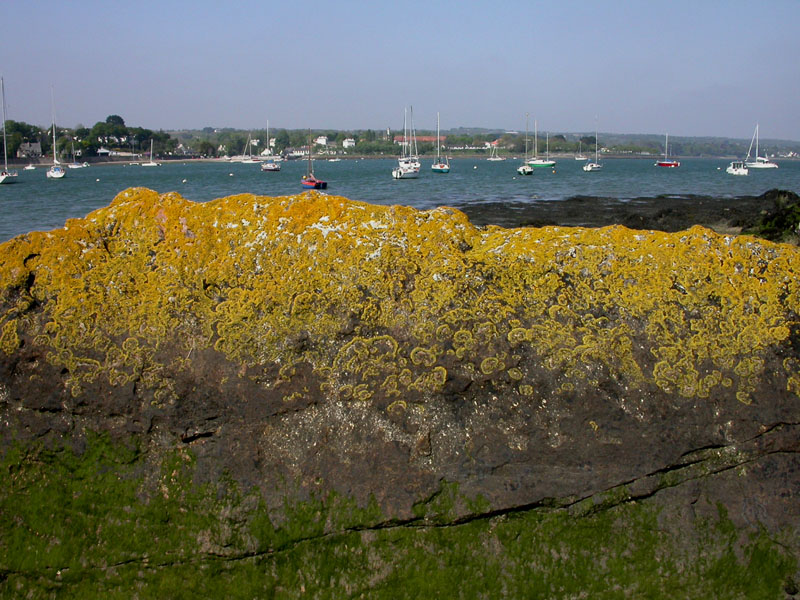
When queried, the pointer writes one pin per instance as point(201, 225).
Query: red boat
point(312, 183)
point(309, 181)
point(668, 163)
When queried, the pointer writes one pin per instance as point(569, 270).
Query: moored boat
point(737, 167)
point(151, 163)
point(594, 166)
point(760, 162)
point(56, 171)
point(442, 164)
point(408, 164)
point(493, 157)
point(525, 168)
point(536, 162)
point(308, 180)
point(666, 161)
point(270, 165)
point(6, 176)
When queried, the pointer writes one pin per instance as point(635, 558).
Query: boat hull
point(56, 173)
point(737, 168)
point(761, 165)
point(592, 167)
point(669, 164)
point(8, 176)
point(312, 183)
point(541, 164)
point(525, 170)
point(440, 168)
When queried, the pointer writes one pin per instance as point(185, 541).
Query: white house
point(348, 143)
point(321, 140)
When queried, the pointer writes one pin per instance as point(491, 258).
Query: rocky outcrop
point(398, 370)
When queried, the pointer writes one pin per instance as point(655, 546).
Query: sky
point(683, 67)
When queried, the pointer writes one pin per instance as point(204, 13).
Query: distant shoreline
point(94, 162)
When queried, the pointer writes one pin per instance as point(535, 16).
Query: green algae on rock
point(311, 345)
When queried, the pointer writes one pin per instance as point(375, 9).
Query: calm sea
point(37, 203)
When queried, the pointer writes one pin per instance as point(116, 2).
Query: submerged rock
point(304, 346)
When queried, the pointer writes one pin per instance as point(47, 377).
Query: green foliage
point(781, 223)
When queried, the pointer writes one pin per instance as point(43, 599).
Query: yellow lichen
point(377, 299)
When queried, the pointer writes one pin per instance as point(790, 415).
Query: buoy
point(184, 181)
point(475, 166)
point(230, 174)
point(98, 179)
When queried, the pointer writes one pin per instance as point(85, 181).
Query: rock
point(426, 370)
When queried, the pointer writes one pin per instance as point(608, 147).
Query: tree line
point(111, 134)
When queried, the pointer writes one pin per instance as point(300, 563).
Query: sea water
point(35, 203)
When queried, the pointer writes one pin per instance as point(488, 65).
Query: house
point(29, 150)
point(348, 143)
point(321, 140)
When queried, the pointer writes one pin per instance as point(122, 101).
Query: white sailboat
point(56, 171)
point(408, 164)
point(536, 162)
point(75, 164)
point(579, 155)
point(248, 158)
point(493, 155)
point(6, 176)
point(760, 162)
point(440, 166)
point(151, 163)
point(525, 168)
point(594, 166)
point(270, 162)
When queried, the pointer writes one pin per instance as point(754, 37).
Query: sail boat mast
point(5, 149)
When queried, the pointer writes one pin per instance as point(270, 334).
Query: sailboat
point(667, 162)
point(536, 162)
point(408, 164)
point(56, 171)
point(525, 168)
point(6, 176)
point(248, 158)
point(440, 166)
point(309, 181)
point(270, 162)
point(74, 164)
point(579, 155)
point(150, 163)
point(594, 166)
point(493, 155)
point(760, 162)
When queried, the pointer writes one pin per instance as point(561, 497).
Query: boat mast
point(5, 152)
point(53, 104)
point(753, 139)
point(310, 167)
point(756, 137)
point(438, 160)
point(413, 133)
point(526, 138)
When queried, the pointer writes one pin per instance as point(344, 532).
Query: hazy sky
point(690, 67)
